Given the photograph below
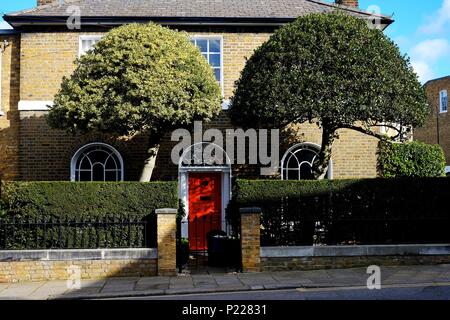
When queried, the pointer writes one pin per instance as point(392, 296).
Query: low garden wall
point(326, 257)
point(41, 265)
point(48, 230)
point(289, 225)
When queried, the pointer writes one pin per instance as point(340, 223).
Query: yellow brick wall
point(9, 123)
point(429, 133)
point(20, 271)
point(47, 57)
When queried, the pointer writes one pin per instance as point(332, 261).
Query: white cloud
point(438, 22)
point(426, 54)
point(423, 70)
point(4, 25)
point(431, 50)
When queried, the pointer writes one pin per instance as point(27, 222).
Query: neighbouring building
point(40, 50)
point(437, 128)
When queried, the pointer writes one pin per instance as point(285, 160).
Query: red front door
point(205, 207)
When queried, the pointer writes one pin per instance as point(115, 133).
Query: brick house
point(437, 128)
point(40, 50)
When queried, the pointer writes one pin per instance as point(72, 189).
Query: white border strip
point(29, 105)
point(79, 254)
point(352, 251)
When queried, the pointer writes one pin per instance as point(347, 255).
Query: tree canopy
point(331, 69)
point(139, 78)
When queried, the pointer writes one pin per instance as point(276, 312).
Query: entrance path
point(222, 282)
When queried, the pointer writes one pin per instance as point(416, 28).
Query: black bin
point(217, 248)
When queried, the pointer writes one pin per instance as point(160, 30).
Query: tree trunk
point(321, 162)
point(150, 162)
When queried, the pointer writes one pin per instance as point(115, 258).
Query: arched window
point(298, 160)
point(97, 162)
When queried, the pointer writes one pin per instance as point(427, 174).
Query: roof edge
point(17, 21)
point(437, 79)
point(352, 9)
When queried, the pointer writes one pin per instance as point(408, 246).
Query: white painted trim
point(298, 145)
point(183, 186)
point(31, 105)
point(359, 250)
point(226, 104)
point(73, 161)
point(440, 101)
point(86, 37)
point(218, 37)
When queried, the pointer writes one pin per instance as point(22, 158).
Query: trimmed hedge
point(337, 212)
point(413, 159)
point(47, 215)
point(88, 199)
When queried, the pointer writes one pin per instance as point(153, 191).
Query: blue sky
point(421, 29)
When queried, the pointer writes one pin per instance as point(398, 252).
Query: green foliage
point(138, 78)
point(88, 199)
point(328, 66)
point(414, 159)
point(330, 69)
point(335, 212)
point(42, 215)
point(2, 209)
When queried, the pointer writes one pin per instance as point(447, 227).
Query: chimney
point(43, 2)
point(349, 3)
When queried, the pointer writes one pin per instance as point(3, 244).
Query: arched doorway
point(205, 190)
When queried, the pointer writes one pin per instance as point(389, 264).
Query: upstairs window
point(443, 101)
point(211, 49)
point(87, 43)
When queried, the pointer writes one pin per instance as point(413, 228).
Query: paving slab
point(113, 286)
point(256, 279)
point(181, 283)
point(20, 289)
point(79, 292)
point(152, 283)
point(3, 286)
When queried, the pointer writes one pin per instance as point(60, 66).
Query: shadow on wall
point(45, 153)
point(9, 122)
point(107, 276)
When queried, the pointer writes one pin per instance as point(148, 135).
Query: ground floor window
point(297, 162)
point(97, 162)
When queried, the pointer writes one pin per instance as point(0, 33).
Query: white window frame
point(78, 153)
point(214, 37)
point(292, 150)
point(441, 102)
point(86, 37)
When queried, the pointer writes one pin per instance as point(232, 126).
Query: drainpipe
point(438, 133)
point(2, 49)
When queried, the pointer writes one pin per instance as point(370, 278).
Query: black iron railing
point(307, 221)
point(65, 233)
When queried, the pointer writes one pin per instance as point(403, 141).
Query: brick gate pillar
point(167, 247)
point(250, 239)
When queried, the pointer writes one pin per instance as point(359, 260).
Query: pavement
point(224, 282)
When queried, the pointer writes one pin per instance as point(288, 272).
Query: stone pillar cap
point(250, 210)
point(166, 211)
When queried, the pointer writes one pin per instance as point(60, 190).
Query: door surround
point(183, 181)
